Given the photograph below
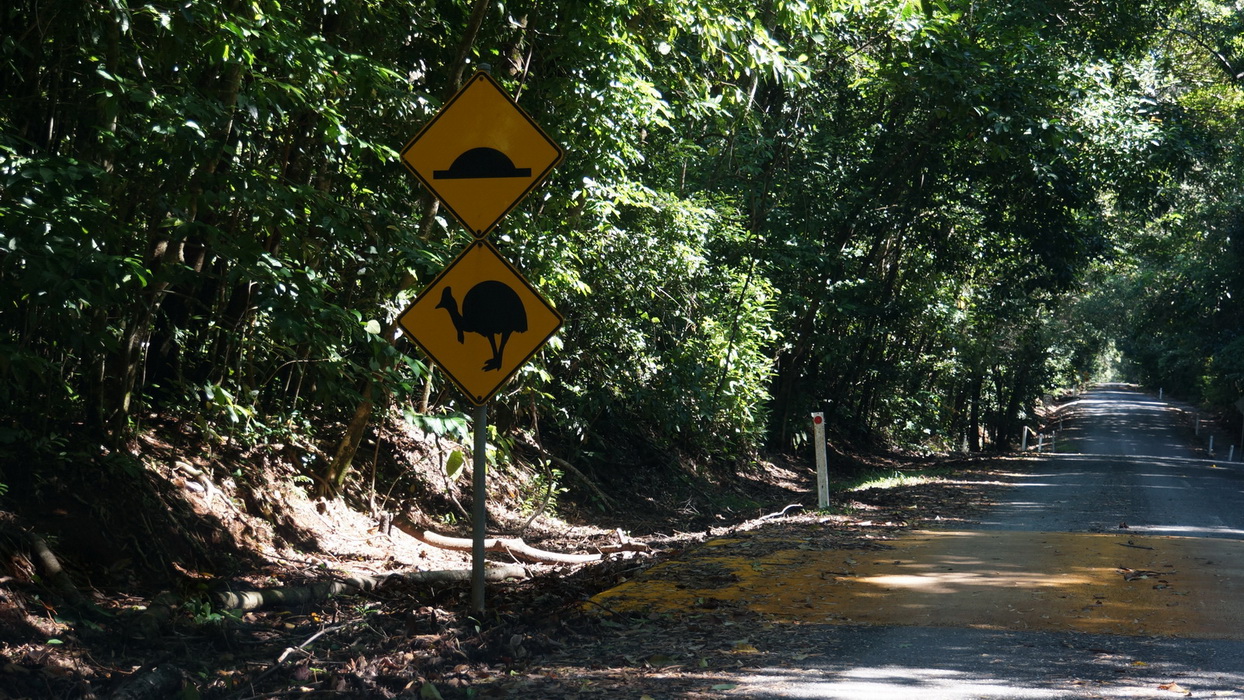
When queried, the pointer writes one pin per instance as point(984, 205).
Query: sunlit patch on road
point(1124, 584)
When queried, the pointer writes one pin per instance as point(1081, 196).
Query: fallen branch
point(512, 546)
point(323, 590)
point(550, 483)
point(571, 469)
point(780, 513)
point(624, 547)
point(1139, 574)
point(280, 662)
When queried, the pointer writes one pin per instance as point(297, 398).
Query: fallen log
point(323, 590)
point(155, 683)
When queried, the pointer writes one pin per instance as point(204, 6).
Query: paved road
point(1113, 569)
point(1130, 462)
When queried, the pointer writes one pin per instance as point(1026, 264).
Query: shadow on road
point(1114, 568)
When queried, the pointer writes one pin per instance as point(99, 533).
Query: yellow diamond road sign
point(480, 320)
point(481, 154)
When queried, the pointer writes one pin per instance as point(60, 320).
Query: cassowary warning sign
point(480, 320)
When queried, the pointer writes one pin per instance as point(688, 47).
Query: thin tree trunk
point(343, 456)
point(974, 423)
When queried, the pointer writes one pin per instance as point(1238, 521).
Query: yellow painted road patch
point(1102, 583)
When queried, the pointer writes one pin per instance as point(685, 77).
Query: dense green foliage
point(1182, 290)
point(917, 216)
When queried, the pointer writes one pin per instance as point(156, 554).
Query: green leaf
point(661, 660)
point(453, 465)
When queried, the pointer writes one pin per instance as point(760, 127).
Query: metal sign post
point(479, 507)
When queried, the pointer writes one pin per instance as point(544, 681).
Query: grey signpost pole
point(479, 507)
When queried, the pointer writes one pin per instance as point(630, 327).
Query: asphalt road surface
point(1115, 568)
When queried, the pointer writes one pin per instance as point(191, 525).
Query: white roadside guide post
point(822, 465)
point(1240, 405)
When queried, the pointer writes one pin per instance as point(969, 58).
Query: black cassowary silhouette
point(490, 309)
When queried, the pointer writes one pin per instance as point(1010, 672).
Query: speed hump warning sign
point(480, 320)
point(481, 154)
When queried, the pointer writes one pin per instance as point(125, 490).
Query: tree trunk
point(974, 422)
point(343, 456)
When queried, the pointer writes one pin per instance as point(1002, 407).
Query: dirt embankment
point(147, 548)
